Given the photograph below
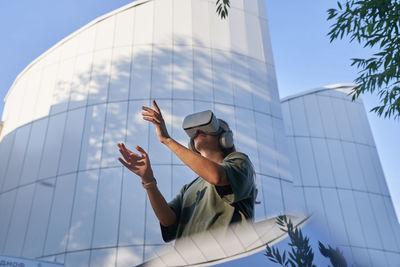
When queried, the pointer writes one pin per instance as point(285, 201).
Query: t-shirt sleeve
point(169, 232)
point(239, 171)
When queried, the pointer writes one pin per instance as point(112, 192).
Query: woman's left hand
point(156, 118)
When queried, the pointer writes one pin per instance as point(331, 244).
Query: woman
point(223, 193)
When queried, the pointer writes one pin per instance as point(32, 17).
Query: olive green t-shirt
point(201, 206)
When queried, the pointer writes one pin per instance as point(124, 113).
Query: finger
point(156, 107)
point(149, 109)
point(123, 152)
point(124, 163)
point(156, 118)
point(141, 150)
point(129, 151)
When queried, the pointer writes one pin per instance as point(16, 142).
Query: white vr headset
point(206, 122)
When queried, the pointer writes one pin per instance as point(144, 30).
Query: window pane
point(37, 228)
point(107, 208)
point(57, 233)
point(80, 233)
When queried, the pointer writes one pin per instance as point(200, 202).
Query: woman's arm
point(209, 170)
point(140, 165)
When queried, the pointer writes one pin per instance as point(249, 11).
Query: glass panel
point(272, 196)
point(367, 168)
point(378, 258)
point(57, 233)
point(386, 232)
point(299, 120)
point(33, 152)
point(307, 162)
point(242, 88)
point(287, 119)
point(392, 218)
point(246, 136)
point(380, 176)
point(183, 72)
point(124, 28)
point(342, 119)
point(182, 22)
point(262, 94)
point(361, 256)
point(131, 226)
point(86, 40)
point(16, 157)
point(46, 91)
point(353, 166)
point(52, 146)
point(105, 33)
point(352, 218)
point(120, 74)
point(238, 31)
point(313, 115)
point(158, 152)
point(129, 256)
point(352, 110)
point(368, 225)
point(161, 79)
point(92, 137)
point(328, 117)
point(37, 227)
point(114, 133)
point(180, 110)
point(202, 73)
point(316, 207)
point(201, 23)
point(282, 152)
point(254, 40)
point(323, 163)
point(266, 145)
point(19, 221)
point(100, 76)
point(77, 259)
point(293, 198)
point(138, 129)
point(222, 82)
point(68, 49)
point(144, 24)
point(107, 208)
point(219, 30)
point(103, 257)
point(163, 22)
point(141, 72)
point(81, 229)
point(393, 258)
point(259, 209)
point(338, 164)
point(153, 231)
point(7, 201)
point(62, 86)
point(72, 141)
point(334, 215)
point(30, 95)
point(81, 81)
point(151, 252)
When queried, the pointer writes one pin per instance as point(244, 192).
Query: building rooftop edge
point(319, 89)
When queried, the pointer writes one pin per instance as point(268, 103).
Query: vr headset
point(206, 122)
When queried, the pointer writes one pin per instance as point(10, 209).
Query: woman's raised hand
point(156, 118)
point(140, 165)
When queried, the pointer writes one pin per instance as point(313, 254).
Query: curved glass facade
point(64, 196)
point(339, 175)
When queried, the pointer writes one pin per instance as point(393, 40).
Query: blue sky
point(304, 57)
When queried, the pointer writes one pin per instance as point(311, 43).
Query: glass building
point(64, 196)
